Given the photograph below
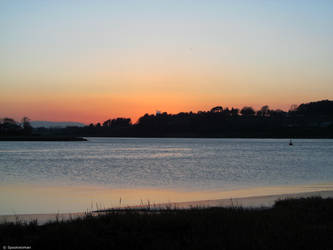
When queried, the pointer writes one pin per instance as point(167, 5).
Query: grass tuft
point(305, 223)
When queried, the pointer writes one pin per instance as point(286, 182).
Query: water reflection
point(25, 199)
point(69, 176)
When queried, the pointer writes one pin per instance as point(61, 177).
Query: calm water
point(178, 164)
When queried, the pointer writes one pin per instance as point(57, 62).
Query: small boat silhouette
point(290, 143)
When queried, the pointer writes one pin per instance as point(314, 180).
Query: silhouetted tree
point(324, 108)
point(293, 108)
point(234, 112)
point(217, 109)
point(107, 123)
point(9, 126)
point(120, 122)
point(27, 128)
point(9, 122)
point(247, 111)
point(264, 111)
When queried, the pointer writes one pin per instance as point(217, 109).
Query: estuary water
point(39, 177)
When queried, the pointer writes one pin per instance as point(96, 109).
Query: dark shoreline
point(304, 223)
point(209, 137)
point(79, 138)
point(42, 138)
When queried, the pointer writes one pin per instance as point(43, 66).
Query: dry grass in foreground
point(305, 223)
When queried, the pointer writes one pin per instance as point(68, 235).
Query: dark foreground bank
point(289, 224)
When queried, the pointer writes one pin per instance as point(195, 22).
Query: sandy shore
point(253, 201)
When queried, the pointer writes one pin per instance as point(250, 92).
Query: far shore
point(262, 201)
point(41, 138)
point(74, 138)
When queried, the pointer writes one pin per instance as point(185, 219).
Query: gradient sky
point(93, 60)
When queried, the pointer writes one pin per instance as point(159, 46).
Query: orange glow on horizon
point(137, 93)
point(97, 108)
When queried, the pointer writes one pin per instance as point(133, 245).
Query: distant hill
point(47, 124)
point(324, 107)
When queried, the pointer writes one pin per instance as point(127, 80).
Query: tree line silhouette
point(310, 120)
point(10, 127)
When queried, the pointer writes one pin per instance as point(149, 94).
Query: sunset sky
point(89, 61)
